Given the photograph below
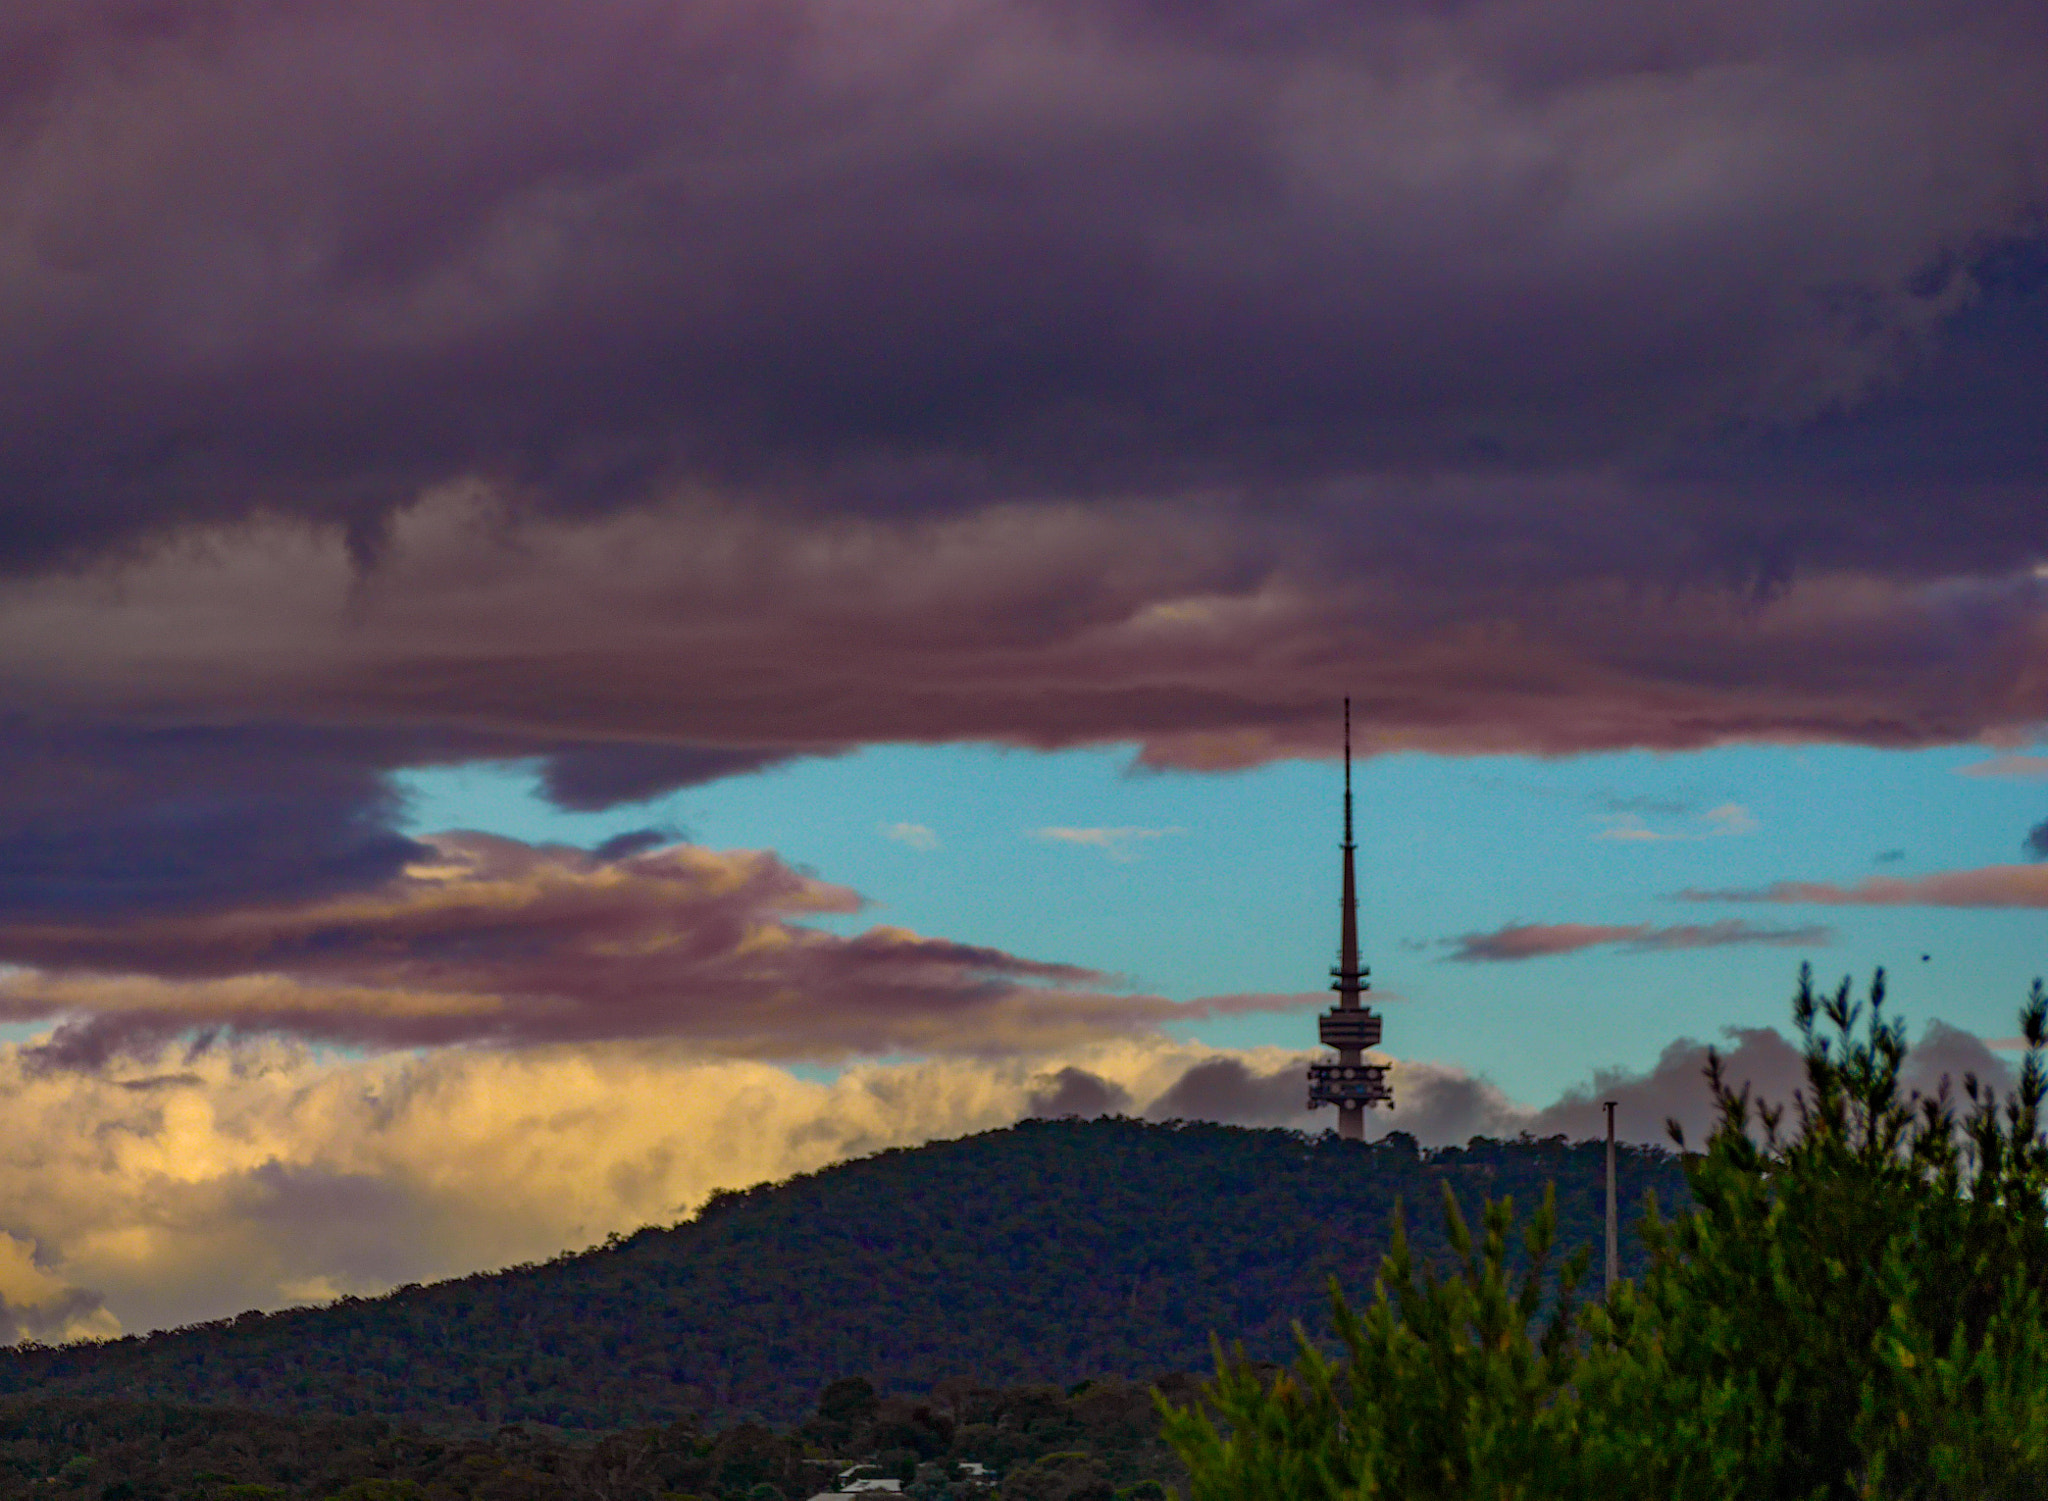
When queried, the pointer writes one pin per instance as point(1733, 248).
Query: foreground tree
point(1854, 1307)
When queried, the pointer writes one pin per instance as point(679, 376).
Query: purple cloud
point(722, 385)
point(1986, 886)
point(1519, 941)
point(914, 263)
point(486, 939)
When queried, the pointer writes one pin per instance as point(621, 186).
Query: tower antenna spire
point(1350, 1083)
point(1347, 952)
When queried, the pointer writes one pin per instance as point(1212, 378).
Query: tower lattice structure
point(1351, 1084)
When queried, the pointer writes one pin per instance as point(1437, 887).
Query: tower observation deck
point(1351, 1084)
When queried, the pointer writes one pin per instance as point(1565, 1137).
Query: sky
point(605, 600)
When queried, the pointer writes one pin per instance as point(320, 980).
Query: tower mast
point(1351, 980)
point(1351, 1084)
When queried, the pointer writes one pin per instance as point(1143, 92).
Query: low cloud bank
point(196, 1182)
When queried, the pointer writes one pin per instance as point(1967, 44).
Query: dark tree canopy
point(1053, 1251)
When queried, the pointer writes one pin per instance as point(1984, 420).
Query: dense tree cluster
point(1856, 1309)
point(1054, 1251)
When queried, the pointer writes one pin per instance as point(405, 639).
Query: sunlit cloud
point(1990, 886)
point(1117, 843)
point(915, 835)
point(192, 1182)
point(1730, 819)
point(2016, 767)
point(1725, 821)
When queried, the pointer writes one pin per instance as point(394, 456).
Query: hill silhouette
point(1052, 1251)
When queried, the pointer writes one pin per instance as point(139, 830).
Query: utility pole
point(1351, 1084)
point(1613, 1220)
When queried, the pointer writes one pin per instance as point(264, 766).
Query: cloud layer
point(188, 1185)
point(733, 383)
point(1008, 245)
point(487, 939)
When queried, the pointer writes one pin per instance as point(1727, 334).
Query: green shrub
point(1853, 1307)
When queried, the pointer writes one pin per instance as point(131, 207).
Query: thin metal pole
point(1613, 1220)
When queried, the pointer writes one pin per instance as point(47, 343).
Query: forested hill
point(1053, 1251)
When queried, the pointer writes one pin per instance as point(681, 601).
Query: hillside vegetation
point(1054, 1251)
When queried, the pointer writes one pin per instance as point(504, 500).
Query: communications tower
point(1351, 1084)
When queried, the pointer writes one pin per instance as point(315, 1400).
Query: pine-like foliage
point(1853, 1307)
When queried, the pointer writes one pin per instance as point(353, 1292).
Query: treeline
point(1855, 1310)
point(1098, 1442)
point(1051, 1252)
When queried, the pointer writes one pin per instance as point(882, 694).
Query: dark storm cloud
point(662, 389)
point(108, 821)
point(1519, 941)
point(788, 376)
point(98, 821)
point(912, 259)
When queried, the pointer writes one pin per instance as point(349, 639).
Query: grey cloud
point(2035, 845)
point(361, 1229)
point(1076, 1091)
point(1949, 1053)
point(1440, 1106)
point(1675, 1087)
point(632, 842)
point(1223, 1089)
point(51, 1321)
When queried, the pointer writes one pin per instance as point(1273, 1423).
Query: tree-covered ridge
point(1053, 1251)
point(1098, 1442)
